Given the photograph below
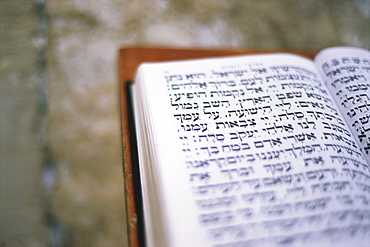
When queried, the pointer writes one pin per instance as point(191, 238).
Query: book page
point(346, 72)
point(253, 151)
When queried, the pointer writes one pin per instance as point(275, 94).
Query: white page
point(346, 71)
point(253, 166)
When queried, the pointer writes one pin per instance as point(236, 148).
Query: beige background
point(60, 154)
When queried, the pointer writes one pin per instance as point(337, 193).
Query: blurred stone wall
point(21, 210)
point(60, 103)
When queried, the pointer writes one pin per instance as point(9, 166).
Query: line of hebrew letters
point(355, 99)
point(297, 115)
point(241, 233)
point(313, 205)
point(355, 88)
point(216, 103)
point(300, 70)
point(240, 135)
point(324, 115)
point(301, 177)
point(219, 188)
point(236, 123)
point(307, 124)
point(353, 199)
point(232, 73)
point(276, 181)
point(367, 147)
point(254, 90)
point(343, 160)
point(319, 97)
point(314, 161)
point(187, 117)
point(270, 143)
point(243, 158)
point(204, 177)
point(284, 105)
point(278, 168)
point(343, 70)
point(216, 217)
point(343, 61)
point(359, 110)
point(215, 137)
point(171, 78)
point(195, 127)
point(364, 132)
point(290, 77)
point(235, 147)
point(340, 138)
point(250, 111)
point(189, 85)
point(248, 82)
point(187, 106)
point(228, 93)
point(345, 149)
point(289, 95)
point(308, 88)
point(214, 114)
point(217, 84)
point(262, 70)
point(363, 187)
point(310, 104)
point(238, 172)
point(336, 128)
point(362, 120)
point(188, 95)
point(220, 137)
point(259, 197)
point(255, 100)
point(328, 187)
point(279, 128)
point(357, 175)
point(224, 201)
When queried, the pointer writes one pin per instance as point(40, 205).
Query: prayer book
point(253, 150)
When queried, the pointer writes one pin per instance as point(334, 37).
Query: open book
point(257, 150)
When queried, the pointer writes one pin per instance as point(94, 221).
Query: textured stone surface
point(20, 153)
point(84, 127)
point(83, 135)
point(253, 24)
